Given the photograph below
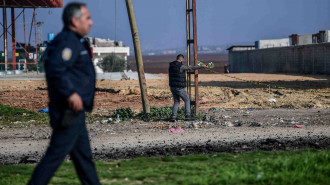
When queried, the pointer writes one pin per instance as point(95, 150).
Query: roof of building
point(31, 3)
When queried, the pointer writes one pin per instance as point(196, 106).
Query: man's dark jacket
point(177, 78)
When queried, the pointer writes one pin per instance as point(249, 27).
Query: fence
point(313, 58)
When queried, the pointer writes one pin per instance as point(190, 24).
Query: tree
point(112, 63)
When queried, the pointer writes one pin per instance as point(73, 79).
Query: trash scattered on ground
point(298, 126)
point(44, 110)
point(176, 130)
point(104, 121)
point(272, 100)
point(229, 124)
point(27, 159)
point(255, 124)
point(117, 118)
point(159, 127)
point(238, 123)
point(207, 117)
point(214, 109)
point(194, 125)
point(278, 93)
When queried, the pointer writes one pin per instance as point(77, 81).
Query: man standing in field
point(177, 79)
point(71, 84)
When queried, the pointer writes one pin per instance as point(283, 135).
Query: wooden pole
point(138, 56)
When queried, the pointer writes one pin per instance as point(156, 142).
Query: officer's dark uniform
point(69, 69)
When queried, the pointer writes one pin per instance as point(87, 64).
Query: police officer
point(71, 83)
point(177, 80)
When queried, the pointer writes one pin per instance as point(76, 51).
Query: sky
point(162, 23)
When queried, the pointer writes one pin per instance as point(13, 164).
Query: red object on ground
point(298, 126)
point(178, 130)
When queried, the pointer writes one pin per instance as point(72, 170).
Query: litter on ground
point(176, 130)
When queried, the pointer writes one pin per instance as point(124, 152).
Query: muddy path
point(273, 130)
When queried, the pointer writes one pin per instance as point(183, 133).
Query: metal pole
point(188, 46)
point(31, 28)
point(35, 38)
point(5, 35)
point(26, 57)
point(195, 55)
point(138, 56)
point(13, 45)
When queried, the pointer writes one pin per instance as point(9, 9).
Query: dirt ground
point(215, 90)
point(239, 117)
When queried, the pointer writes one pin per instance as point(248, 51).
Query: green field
point(258, 167)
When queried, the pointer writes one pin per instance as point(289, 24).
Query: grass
point(258, 167)
point(17, 117)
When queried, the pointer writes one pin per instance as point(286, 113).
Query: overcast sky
point(161, 23)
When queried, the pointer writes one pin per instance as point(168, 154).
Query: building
point(324, 36)
point(272, 43)
point(301, 39)
point(316, 38)
point(104, 47)
point(305, 53)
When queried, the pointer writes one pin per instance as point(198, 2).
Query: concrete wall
point(305, 39)
point(327, 36)
point(272, 43)
point(314, 58)
point(324, 36)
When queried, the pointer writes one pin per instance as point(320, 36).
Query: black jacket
point(69, 69)
point(177, 78)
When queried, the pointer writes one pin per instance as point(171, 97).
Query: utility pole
point(138, 56)
point(5, 49)
point(191, 16)
point(13, 42)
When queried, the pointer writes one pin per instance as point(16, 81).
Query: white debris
point(272, 100)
